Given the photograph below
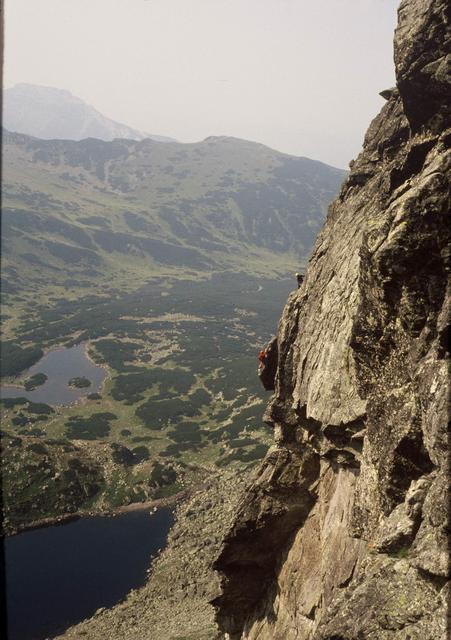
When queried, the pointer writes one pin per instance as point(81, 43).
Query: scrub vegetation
point(182, 391)
point(35, 381)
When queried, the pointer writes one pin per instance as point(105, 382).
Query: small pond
point(60, 365)
point(60, 575)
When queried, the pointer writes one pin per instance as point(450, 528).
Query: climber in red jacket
point(267, 365)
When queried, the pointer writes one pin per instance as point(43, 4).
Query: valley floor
point(181, 398)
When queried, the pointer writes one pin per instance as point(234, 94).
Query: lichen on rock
point(342, 534)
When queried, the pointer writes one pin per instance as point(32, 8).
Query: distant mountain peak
point(53, 113)
point(27, 87)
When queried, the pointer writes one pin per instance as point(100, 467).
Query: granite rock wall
point(342, 534)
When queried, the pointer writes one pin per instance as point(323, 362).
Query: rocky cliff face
point(342, 534)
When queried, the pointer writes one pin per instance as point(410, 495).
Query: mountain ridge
point(85, 209)
point(52, 113)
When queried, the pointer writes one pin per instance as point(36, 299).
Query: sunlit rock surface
point(342, 535)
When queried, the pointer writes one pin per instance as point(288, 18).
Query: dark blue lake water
point(58, 576)
point(60, 366)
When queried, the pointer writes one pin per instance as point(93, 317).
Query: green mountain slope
point(169, 261)
point(78, 214)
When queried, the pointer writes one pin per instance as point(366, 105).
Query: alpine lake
point(60, 366)
point(59, 575)
point(62, 574)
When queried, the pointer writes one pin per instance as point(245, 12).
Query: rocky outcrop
point(342, 534)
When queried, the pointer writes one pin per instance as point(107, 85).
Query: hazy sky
point(301, 76)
